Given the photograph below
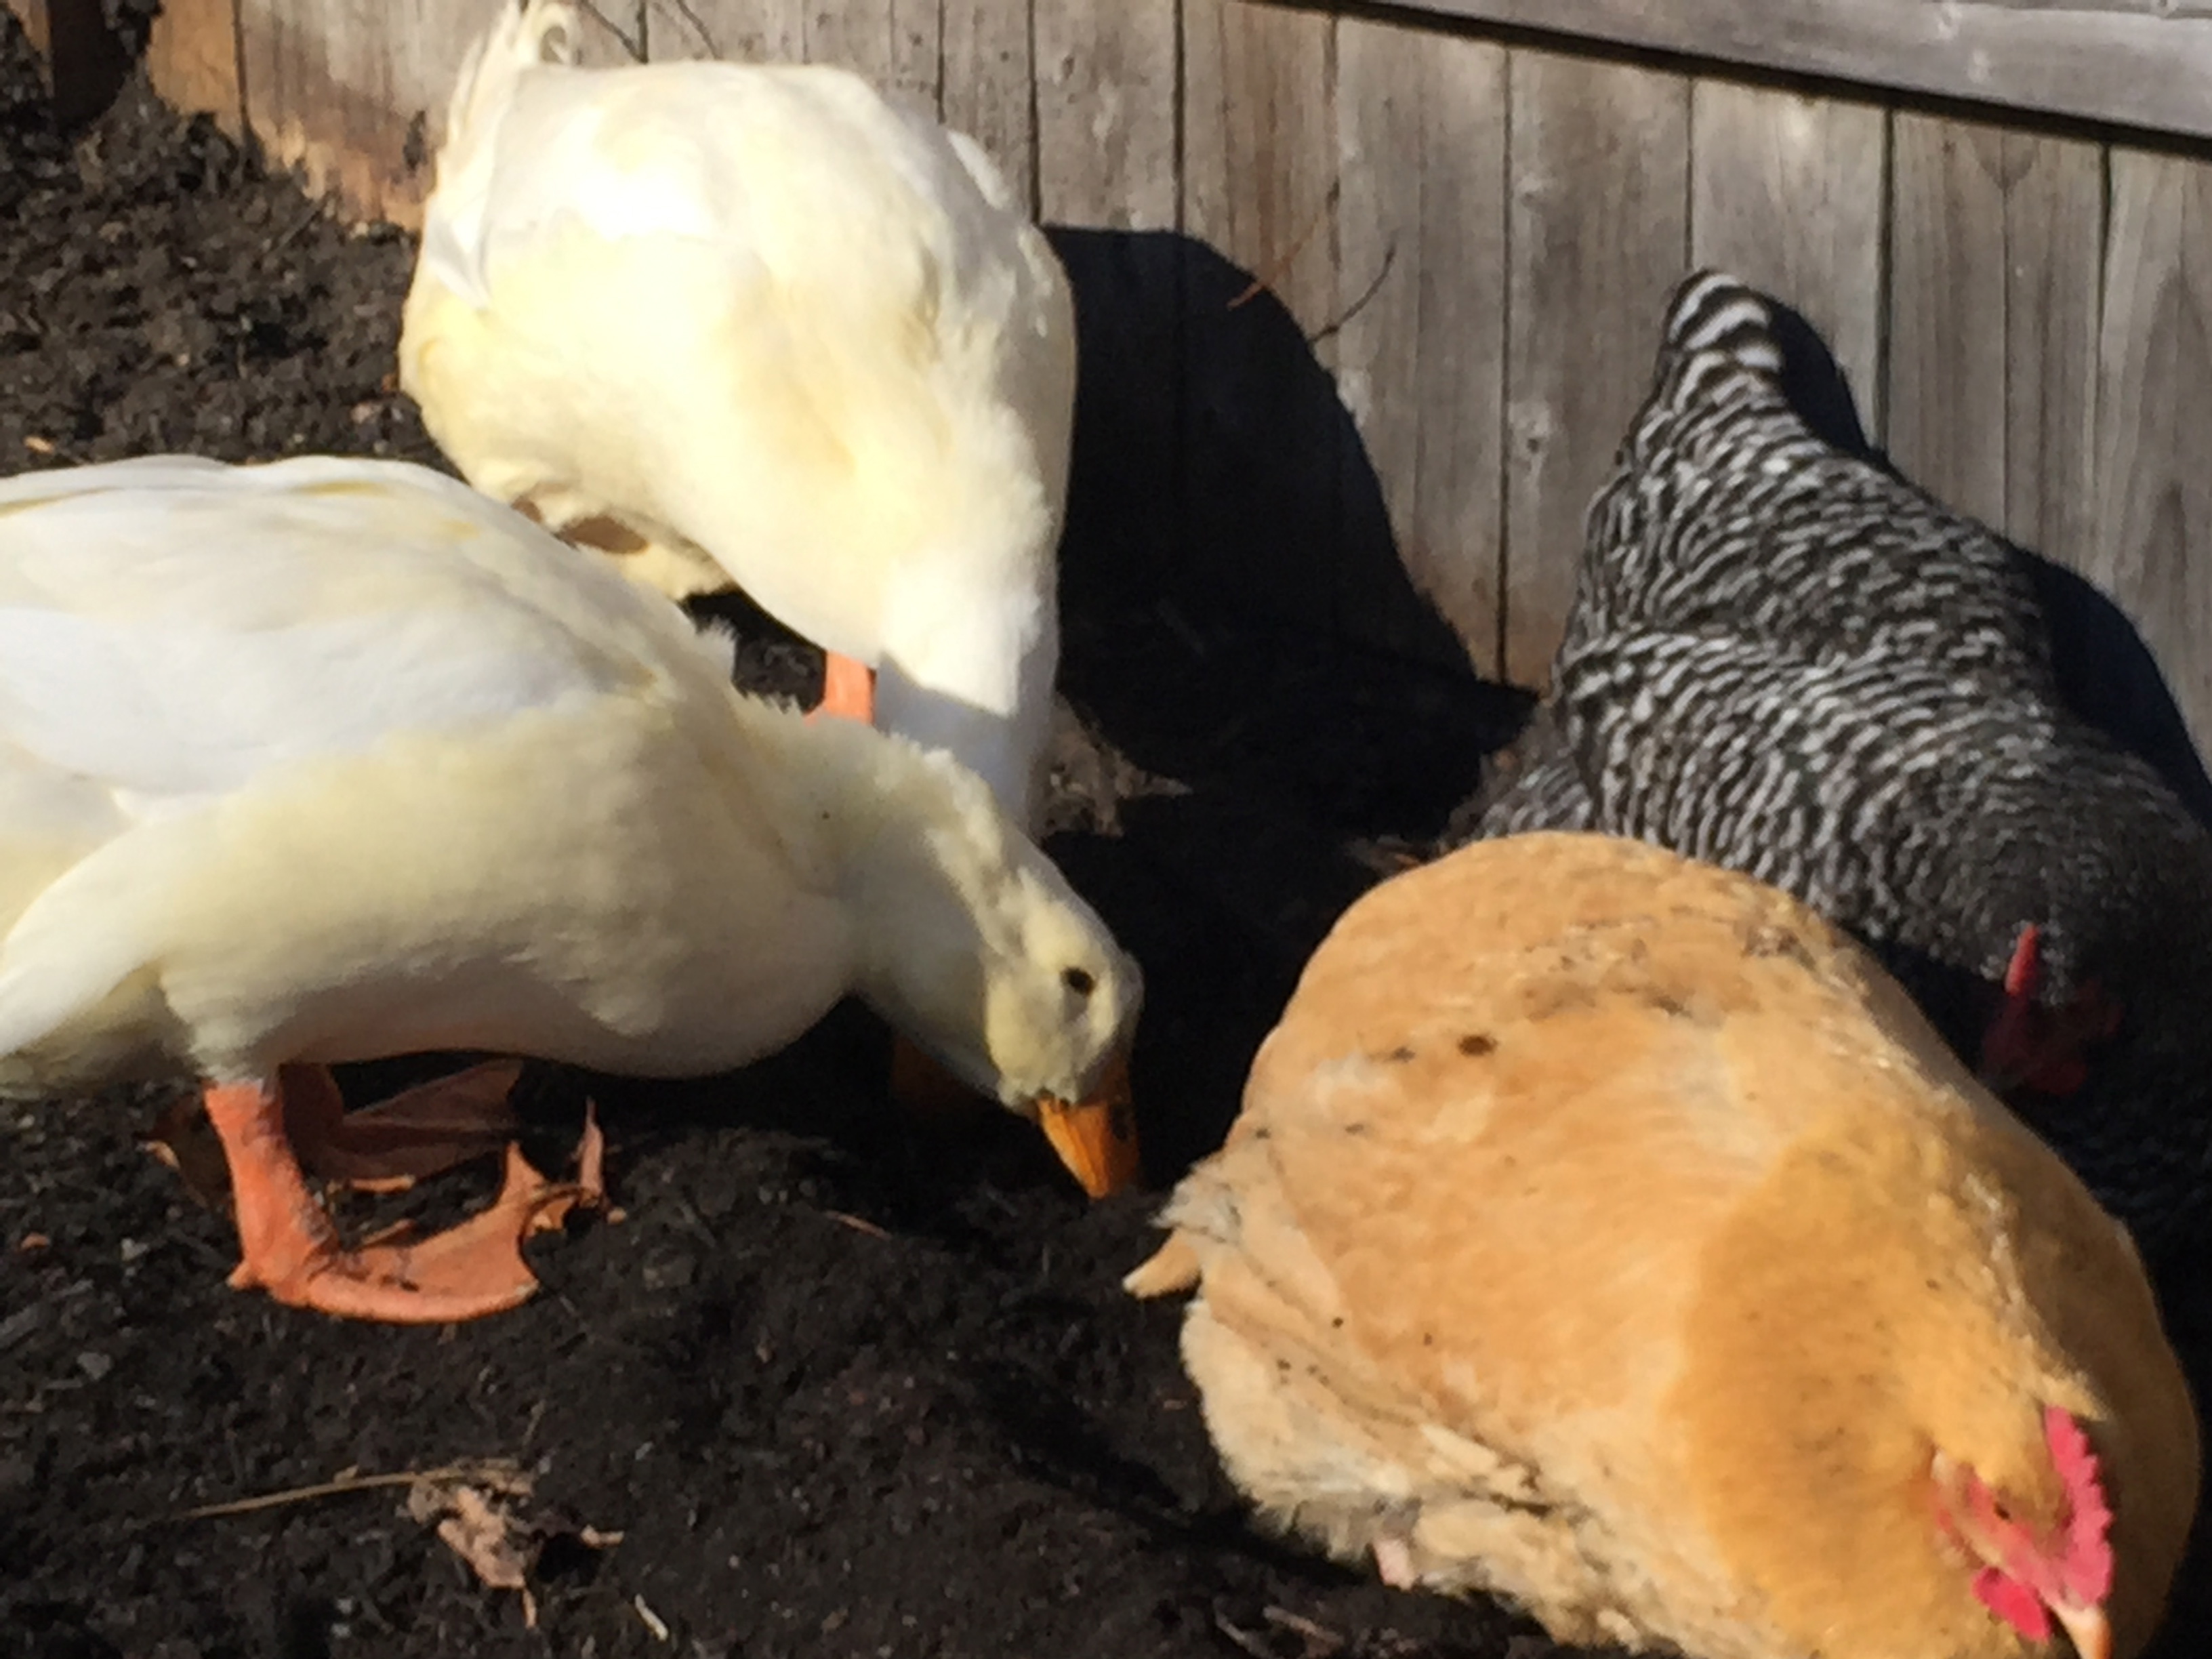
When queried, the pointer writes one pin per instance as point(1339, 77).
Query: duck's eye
point(1079, 980)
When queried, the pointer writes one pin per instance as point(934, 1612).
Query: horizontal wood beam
point(2140, 64)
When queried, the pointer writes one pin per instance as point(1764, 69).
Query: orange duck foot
point(418, 1133)
point(289, 1248)
point(848, 691)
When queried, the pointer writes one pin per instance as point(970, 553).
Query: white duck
point(756, 325)
point(327, 760)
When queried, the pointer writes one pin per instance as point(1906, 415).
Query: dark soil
point(844, 1384)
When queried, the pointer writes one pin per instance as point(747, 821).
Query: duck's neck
point(924, 867)
point(968, 665)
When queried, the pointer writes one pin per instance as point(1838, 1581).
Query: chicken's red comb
point(2087, 1570)
point(2024, 972)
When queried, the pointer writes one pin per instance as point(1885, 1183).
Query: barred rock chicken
point(1786, 660)
point(1606, 1231)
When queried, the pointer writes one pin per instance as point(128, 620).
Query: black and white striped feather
point(1783, 658)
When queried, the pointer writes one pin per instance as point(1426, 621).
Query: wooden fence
point(1471, 226)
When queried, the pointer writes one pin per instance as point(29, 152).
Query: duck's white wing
point(171, 628)
point(173, 632)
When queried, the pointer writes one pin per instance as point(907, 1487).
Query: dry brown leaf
point(478, 1515)
point(474, 1520)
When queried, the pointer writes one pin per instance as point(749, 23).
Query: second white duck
point(758, 324)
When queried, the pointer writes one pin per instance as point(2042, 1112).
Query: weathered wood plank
point(612, 32)
point(1105, 90)
point(1259, 147)
point(1261, 424)
point(743, 31)
point(1947, 378)
point(2138, 66)
point(1599, 234)
point(1786, 191)
point(2153, 548)
point(1993, 321)
point(1421, 356)
point(191, 59)
point(354, 93)
point(985, 68)
point(1106, 113)
point(2054, 239)
point(894, 43)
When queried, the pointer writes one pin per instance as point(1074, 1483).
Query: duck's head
point(976, 948)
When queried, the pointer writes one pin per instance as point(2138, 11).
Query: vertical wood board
point(743, 31)
point(2153, 548)
point(1421, 354)
point(1786, 192)
point(2054, 239)
point(1598, 235)
point(1993, 323)
point(1947, 369)
point(1106, 132)
point(353, 92)
point(893, 44)
point(1261, 426)
point(192, 60)
point(988, 77)
point(1105, 89)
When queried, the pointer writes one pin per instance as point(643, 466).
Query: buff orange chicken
point(1606, 1231)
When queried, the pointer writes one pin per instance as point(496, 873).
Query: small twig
point(635, 48)
point(271, 1500)
point(1280, 266)
point(314, 212)
point(698, 28)
point(1243, 1638)
point(1320, 1641)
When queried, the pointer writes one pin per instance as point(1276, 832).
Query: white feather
point(328, 759)
point(792, 335)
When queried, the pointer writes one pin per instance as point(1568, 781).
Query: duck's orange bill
point(1096, 1138)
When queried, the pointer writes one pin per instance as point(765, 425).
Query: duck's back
point(352, 691)
point(760, 313)
point(172, 627)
